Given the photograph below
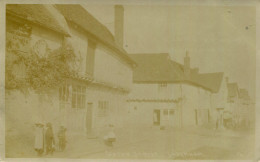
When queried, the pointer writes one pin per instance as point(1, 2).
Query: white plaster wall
point(116, 103)
point(220, 98)
point(111, 69)
point(22, 111)
point(140, 114)
point(151, 91)
point(193, 97)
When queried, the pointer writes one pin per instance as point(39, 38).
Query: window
point(168, 113)
point(165, 112)
point(78, 96)
point(72, 96)
point(102, 108)
point(171, 112)
point(162, 86)
point(64, 92)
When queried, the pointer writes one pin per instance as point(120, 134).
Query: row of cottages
point(240, 107)
point(167, 93)
point(87, 102)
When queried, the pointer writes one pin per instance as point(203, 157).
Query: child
point(49, 138)
point(62, 138)
point(110, 137)
point(39, 138)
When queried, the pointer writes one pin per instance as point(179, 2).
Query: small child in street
point(62, 138)
point(110, 137)
point(49, 139)
point(39, 138)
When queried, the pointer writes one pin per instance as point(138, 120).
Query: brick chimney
point(119, 25)
point(187, 66)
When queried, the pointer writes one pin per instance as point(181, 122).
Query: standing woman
point(39, 138)
point(49, 138)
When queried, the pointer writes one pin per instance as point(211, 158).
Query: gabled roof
point(232, 89)
point(210, 81)
point(155, 68)
point(41, 14)
point(243, 93)
point(159, 67)
point(81, 17)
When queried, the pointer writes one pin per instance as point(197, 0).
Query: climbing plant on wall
point(35, 67)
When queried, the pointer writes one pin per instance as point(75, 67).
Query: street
point(153, 143)
point(179, 144)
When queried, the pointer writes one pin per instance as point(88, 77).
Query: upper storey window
point(162, 86)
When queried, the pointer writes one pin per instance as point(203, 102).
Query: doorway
point(196, 117)
point(89, 117)
point(156, 117)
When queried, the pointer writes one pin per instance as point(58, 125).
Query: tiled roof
point(81, 17)
point(160, 68)
point(210, 81)
point(155, 68)
point(243, 93)
point(42, 14)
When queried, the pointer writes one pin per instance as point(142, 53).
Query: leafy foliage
point(25, 69)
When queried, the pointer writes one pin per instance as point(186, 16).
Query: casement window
point(64, 93)
point(171, 112)
point(168, 113)
point(78, 96)
point(162, 86)
point(103, 108)
point(165, 112)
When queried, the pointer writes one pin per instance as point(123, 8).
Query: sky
point(217, 38)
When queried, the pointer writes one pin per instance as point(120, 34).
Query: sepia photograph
point(129, 81)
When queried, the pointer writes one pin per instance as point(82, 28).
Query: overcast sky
point(218, 39)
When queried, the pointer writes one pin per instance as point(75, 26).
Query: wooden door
point(196, 117)
point(89, 117)
point(156, 117)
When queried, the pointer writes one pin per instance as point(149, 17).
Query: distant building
point(240, 106)
point(246, 109)
point(233, 101)
point(167, 93)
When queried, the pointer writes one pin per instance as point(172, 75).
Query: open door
point(156, 117)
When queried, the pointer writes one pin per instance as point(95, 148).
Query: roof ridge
point(98, 21)
point(148, 54)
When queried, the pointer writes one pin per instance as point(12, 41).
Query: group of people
point(45, 140)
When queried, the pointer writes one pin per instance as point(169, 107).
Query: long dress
point(49, 138)
point(39, 138)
